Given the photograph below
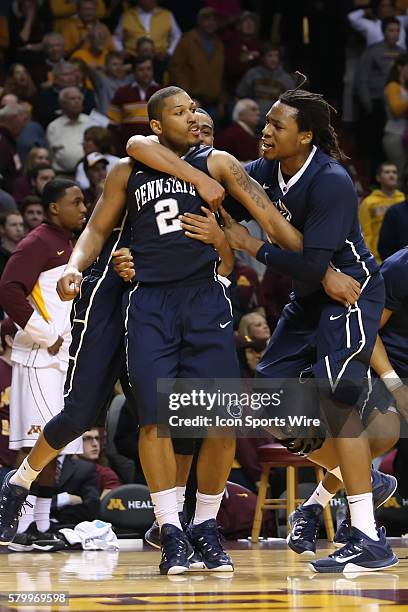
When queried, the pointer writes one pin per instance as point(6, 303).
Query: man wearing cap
point(95, 165)
point(198, 62)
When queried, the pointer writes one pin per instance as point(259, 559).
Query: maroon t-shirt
point(7, 457)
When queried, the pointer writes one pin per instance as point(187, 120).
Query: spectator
point(396, 103)
point(266, 82)
point(145, 48)
point(11, 232)
point(95, 54)
point(145, 18)
point(96, 140)
point(32, 210)
point(12, 119)
point(368, 21)
point(7, 202)
point(39, 176)
point(8, 457)
point(243, 49)
point(95, 167)
point(128, 109)
point(77, 494)
point(251, 295)
point(65, 134)
point(84, 83)
point(373, 207)
point(372, 75)
point(107, 82)
point(54, 53)
point(19, 83)
point(64, 74)
point(32, 133)
point(394, 230)
point(63, 9)
point(106, 477)
point(255, 330)
point(76, 29)
point(27, 29)
point(198, 62)
point(239, 138)
point(37, 155)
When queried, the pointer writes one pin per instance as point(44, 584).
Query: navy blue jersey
point(395, 333)
point(321, 202)
point(120, 237)
point(162, 253)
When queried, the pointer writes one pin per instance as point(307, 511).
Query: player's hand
point(210, 191)
point(205, 229)
point(236, 234)
point(53, 350)
point(74, 500)
point(341, 287)
point(69, 284)
point(123, 264)
point(401, 397)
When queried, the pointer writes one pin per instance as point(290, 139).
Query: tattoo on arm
point(247, 184)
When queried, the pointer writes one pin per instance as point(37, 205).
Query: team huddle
point(165, 313)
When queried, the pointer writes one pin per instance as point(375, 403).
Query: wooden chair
point(274, 456)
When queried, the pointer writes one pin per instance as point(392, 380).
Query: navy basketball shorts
point(177, 331)
point(321, 337)
point(97, 356)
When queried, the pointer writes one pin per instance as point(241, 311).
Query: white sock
point(337, 473)
point(319, 496)
point(42, 513)
point(24, 476)
point(165, 507)
point(181, 495)
point(207, 507)
point(27, 516)
point(362, 514)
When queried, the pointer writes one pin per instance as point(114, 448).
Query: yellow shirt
point(371, 214)
point(160, 29)
point(62, 9)
point(74, 30)
point(90, 59)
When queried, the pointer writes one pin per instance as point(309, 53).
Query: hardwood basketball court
point(268, 576)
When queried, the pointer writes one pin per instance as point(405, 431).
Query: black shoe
point(49, 541)
point(24, 542)
point(206, 540)
point(176, 550)
point(12, 499)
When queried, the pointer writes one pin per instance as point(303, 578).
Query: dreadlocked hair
point(314, 115)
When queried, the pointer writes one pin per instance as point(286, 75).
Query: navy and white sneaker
point(384, 486)
point(12, 499)
point(207, 542)
point(152, 537)
point(360, 554)
point(176, 550)
point(304, 524)
point(24, 541)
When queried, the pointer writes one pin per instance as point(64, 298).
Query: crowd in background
point(75, 78)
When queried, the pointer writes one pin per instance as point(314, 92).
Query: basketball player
point(390, 364)
point(40, 349)
point(166, 258)
point(301, 173)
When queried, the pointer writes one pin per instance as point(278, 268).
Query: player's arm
point(206, 229)
point(228, 171)
point(106, 215)
point(151, 153)
point(382, 366)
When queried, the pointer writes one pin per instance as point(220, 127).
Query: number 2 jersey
point(161, 251)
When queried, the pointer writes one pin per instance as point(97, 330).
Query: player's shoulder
point(397, 264)
point(122, 168)
point(261, 168)
point(324, 169)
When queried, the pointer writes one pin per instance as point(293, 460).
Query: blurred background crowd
point(75, 78)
